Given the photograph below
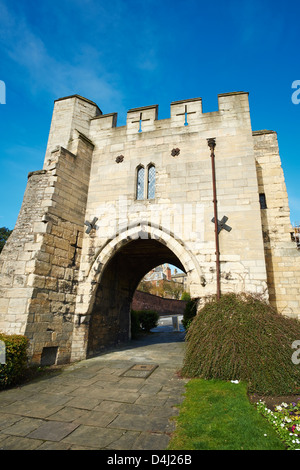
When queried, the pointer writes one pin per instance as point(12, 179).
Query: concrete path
point(100, 403)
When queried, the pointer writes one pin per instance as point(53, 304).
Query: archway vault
point(103, 316)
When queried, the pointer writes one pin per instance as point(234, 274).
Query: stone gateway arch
point(201, 191)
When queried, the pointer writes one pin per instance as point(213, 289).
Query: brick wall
point(145, 301)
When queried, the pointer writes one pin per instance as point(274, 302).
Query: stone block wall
point(42, 256)
point(18, 258)
point(180, 214)
point(281, 255)
point(183, 199)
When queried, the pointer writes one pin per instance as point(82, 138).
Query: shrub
point(135, 324)
point(242, 338)
point(15, 359)
point(190, 312)
point(185, 296)
point(147, 319)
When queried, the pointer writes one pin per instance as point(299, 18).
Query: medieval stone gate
point(201, 191)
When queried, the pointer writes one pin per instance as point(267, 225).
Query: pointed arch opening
point(110, 316)
point(102, 316)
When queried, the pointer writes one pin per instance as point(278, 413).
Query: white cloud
point(82, 73)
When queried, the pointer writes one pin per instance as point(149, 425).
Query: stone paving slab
point(48, 445)
point(33, 409)
point(23, 426)
point(84, 402)
point(19, 443)
point(151, 441)
point(96, 418)
point(139, 423)
point(95, 437)
point(67, 414)
point(90, 405)
point(53, 431)
point(126, 441)
point(7, 420)
point(108, 406)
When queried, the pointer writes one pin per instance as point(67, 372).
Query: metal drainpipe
point(212, 144)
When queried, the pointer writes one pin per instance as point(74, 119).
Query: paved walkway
point(99, 403)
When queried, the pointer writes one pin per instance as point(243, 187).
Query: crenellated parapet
point(183, 113)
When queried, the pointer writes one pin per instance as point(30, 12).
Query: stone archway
point(103, 308)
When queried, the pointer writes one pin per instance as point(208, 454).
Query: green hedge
point(148, 319)
point(143, 320)
point(190, 312)
point(15, 359)
point(243, 338)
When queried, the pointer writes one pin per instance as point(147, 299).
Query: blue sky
point(126, 53)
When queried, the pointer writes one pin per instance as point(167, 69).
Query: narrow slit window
point(262, 201)
point(151, 182)
point(140, 183)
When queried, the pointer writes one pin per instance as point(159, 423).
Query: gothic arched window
point(151, 182)
point(140, 182)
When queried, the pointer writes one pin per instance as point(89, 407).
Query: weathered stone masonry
point(70, 291)
point(40, 263)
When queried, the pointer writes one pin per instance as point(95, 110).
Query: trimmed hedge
point(190, 312)
point(15, 359)
point(143, 320)
point(243, 338)
point(148, 319)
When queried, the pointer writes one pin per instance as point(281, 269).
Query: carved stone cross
point(185, 114)
point(90, 225)
point(222, 224)
point(140, 121)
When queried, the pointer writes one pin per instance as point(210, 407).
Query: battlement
point(182, 113)
point(76, 113)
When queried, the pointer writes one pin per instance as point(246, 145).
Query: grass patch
point(217, 415)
